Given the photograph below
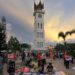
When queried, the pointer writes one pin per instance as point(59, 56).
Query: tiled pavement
point(58, 64)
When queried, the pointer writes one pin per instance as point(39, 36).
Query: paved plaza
point(58, 64)
point(58, 67)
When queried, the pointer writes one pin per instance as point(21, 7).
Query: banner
point(11, 56)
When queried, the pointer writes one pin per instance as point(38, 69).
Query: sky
point(59, 16)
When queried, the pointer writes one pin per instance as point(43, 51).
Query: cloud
point(51, 28)
point(56, 17)
point(10, 33)
point(56, 25)
point(68, 26)
point(16, 9)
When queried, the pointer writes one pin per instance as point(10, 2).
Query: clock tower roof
point(38, 6)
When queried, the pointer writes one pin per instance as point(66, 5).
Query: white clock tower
point(39, 39)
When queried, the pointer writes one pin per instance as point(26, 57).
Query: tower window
point(41, 26)
point(37, 34)
point(40, 34)
point(39, 44)
point(38, 25)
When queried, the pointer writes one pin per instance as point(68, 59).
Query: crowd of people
point(28, 60)
point(40, 60)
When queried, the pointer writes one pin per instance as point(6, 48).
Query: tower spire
point(38, 6)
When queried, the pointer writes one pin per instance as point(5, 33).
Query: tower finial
point(38, 6)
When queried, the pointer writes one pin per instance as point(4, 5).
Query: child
point(50, 68)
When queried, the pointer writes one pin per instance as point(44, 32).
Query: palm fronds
point(61, 34)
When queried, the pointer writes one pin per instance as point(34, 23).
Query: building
point(39, 38)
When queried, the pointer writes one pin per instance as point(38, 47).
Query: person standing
point(64, 57)
point(43, 62)
point(39, 59)
point(43, 59)
point(67, 60)
point(23, 57)
point(51, 56)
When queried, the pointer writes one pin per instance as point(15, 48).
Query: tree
point(64, 35)
point(61, 34)
point(3, 34)
point(71, 46)
point(17, 45)
point(59, 47)
point(25, 46)
point(14, 44)
point(10, 43)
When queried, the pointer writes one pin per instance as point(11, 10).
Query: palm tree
point(61, 34)
point(70, 33)
point(64, 35)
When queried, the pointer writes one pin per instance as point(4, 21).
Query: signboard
point(11, 56)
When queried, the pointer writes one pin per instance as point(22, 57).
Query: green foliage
point(61, 34)
point(25, 45)
point(70, 48)
point(3, 34)
point(59, 47)
point(64, 35)
point(13, 44)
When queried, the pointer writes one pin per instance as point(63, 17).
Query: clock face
point(39, 15)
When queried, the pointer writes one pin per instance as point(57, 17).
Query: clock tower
point(39, 39)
